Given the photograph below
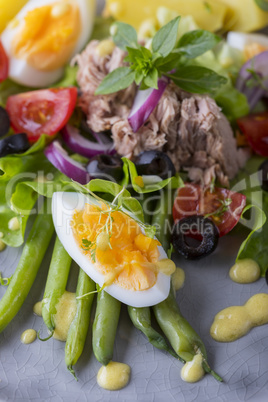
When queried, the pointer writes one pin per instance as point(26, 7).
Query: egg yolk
point(48, 35)
point(128, 258)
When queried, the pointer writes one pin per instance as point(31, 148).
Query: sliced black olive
point(4, 122)
point(191, 228)
point(154, 163)
point(263, 175)
point(107, 167)
point(14, 144)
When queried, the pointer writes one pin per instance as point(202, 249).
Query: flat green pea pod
point(79, 327)
point(27, 268)
point(105, 326)
point(182, 337)
point(141, 318)
point(56, 283)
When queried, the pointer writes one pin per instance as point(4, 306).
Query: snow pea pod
point(56, 283)
point(79, 327)
point(105, 326)
point(27, 268)
point(141, 318)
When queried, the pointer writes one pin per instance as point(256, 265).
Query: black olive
point(107, 167)
point(263, 175)
point(193, 227)
point(154, 163)
point(14, 144)
point(4, 122)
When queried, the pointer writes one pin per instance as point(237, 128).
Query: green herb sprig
point(167, 57)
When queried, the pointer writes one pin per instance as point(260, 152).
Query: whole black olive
point(193, 227)
point(263, 175)
point(154, 163)
point(106, 167)
point(14, 144)
point(4, 122)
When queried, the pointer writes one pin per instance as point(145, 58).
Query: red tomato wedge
point(3, 64)
point(45, 111)
point(223, 206)
point(255, 129)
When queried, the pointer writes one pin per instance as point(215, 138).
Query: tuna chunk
point(102, 111)
point(189, 127)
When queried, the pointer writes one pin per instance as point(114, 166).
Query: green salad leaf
point(262, 4)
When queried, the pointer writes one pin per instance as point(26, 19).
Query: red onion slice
point(66, 165)
point(259, 64)
point(145, 103)
point(79, 144)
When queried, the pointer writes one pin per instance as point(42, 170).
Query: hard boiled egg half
point(44, 36)
point(112, 248)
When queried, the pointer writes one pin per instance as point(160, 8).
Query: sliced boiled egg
point(250, 44)
point(112, 248)
point(44, 36)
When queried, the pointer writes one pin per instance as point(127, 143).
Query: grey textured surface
point(37, 371)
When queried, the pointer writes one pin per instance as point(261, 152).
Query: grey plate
point(37, 371)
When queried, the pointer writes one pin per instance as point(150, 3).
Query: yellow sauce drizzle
point(37, 308)
point(28, 336)
point(66, 309)
point(236, 321)
point(178, 279)
point(245, 271)
point(193, 371)
point(114, 376)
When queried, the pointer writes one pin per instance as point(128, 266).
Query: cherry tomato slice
point(255, 129)
point(3, 64)
point(223, 206)
point(44, 111)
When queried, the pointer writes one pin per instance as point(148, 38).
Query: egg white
point(19, 70)
point(239, 40)
point(64, 205)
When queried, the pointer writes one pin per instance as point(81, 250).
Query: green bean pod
point(27, 268)
point(182, 337)
point(141, 318)
point(105, 326)
point(56, 283)
point(79, 327)
point(162, 219)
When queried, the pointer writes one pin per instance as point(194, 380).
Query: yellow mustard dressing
point(115, 244)
point(37, 308)
point(236, 321)
point(114, 376)
point(245, 271)
point(28, 336)
point(66, 309)
point(178, 278)
point(193, 371)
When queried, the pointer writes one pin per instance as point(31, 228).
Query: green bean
point(162, 219)
point(182, 337)
point(105, 326)
point(79, 327)
point(141, 318)
point(27, 268)
point(56, 283)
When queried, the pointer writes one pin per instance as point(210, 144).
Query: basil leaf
point(117, 80)
point(124, 35)
point(194, 43)
point(152, 79)
point(168, 63)
point(197, 79)
point(262, 4)
point(165, 39)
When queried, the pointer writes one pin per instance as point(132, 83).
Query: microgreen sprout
point(4, 281)
point(222, 209)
